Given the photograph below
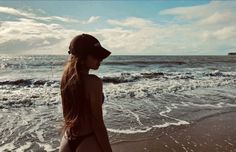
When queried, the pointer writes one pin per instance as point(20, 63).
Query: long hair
point(72, 96)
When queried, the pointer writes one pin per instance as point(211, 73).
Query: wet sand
point(212, 134)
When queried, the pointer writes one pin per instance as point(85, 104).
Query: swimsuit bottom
point(74, 143)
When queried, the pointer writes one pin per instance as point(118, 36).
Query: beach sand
point(216, 133)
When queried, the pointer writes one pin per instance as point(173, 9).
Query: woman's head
point(85, 44)
point(88, 51)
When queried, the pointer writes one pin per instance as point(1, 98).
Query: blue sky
point(125, 27)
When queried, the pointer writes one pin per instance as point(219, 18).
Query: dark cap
point(85, 44)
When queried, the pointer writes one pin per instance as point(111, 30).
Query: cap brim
point(101, 53)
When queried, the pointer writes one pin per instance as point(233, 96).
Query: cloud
point(56, 18)
point(29, 15)
point(12, 11)
point(225, 34)
point(200, 11)
point(132, 22)
point(32, 37)
point(92, 19)
point(127, 41)
point(219, 18)
point(29, 34)
point(199, 30)
point(203, 29)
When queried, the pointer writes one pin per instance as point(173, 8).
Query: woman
point(82, 98)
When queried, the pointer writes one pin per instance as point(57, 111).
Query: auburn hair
point(72, 96)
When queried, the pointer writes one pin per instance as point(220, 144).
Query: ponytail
point(72, 95)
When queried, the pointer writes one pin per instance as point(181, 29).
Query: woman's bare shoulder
point(93, 77)
point(93, 81)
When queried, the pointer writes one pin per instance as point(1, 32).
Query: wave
point(216, 73)
point(145, 129)
point(128, 77)
point(125, 78)
point(143, 62)
point(122, 78)
point(29, 99)
point(29, 82)
point(28, 65)
point(16, 104)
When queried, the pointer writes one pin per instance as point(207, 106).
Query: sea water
point(142, 94)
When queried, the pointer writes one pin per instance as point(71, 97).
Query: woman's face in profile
point(92, 62)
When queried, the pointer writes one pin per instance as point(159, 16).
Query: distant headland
point(232, 53)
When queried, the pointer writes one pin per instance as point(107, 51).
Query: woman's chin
point(95, 68)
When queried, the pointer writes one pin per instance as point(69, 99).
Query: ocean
point(142, 94)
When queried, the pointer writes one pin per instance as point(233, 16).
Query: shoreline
point(215, 133)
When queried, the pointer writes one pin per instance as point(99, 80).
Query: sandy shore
point(212, 134)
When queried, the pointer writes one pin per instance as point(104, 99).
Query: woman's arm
point(97, 116)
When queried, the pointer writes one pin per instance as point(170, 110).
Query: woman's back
point(85, 126)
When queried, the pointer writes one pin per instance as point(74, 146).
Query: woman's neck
point(84, 71)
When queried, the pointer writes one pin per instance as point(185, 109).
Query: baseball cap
point(85, 44)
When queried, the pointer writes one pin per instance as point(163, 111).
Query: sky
point(133, 27)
